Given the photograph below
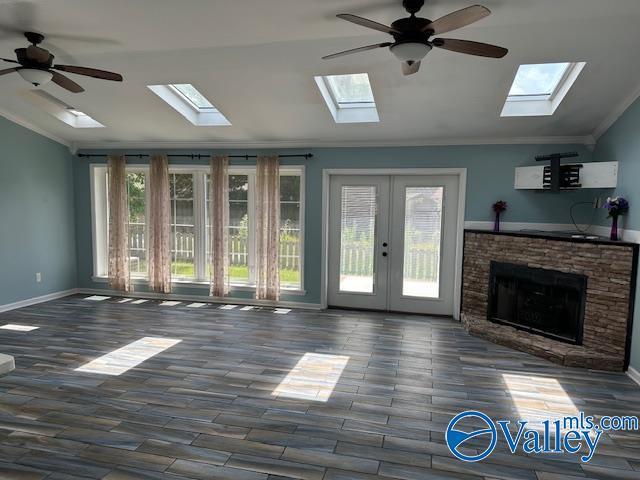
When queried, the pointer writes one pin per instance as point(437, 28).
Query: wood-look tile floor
point(214, 405)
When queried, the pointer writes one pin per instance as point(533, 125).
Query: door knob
point(384, 244)
point(384, 254)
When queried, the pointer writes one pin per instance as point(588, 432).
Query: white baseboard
point(201, 298)
point(634, 375)
point(632, 236)
point(33, 301)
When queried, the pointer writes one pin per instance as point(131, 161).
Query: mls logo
point(456, 437)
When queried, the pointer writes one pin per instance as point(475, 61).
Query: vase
point(614, 229)
point(496, 223)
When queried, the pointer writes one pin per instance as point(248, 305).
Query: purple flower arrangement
point(616, 207)
point(498, 207)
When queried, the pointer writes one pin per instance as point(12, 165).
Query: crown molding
point(617, 112)
point(86, 146)
point(30, 126)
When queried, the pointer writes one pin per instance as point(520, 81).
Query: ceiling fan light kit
point(412, 35)
point(410, 52)
point(35, 76)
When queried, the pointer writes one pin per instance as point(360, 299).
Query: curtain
point(159, 225)
point(268, 228)
point(118, 270)
point(219, 221)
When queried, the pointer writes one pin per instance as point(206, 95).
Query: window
point(183, 227)
point(190, 226)
point(197, 100)
point(191, 104)
point(349, 97)
point(538, 89)
point(136, 182)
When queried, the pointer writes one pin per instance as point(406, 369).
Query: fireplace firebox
point(540, 301)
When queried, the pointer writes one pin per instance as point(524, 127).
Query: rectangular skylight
point(351, 90)
point(194, 97)
point(538, 89)
point(349, 97)
point(191, 104)
point(538, 80)
point(62, 111)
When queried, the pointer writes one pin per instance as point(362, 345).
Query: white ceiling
point(256, 59)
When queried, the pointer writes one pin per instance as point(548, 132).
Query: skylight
point(191, 104)
point(349, 97)
point(538, 89)
point(351, 90)
point(538, 80)
point(61, 110)
point(194, 97)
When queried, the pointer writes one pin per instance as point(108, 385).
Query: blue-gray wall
point(37, 227)
point(622, 143)
point(490, 171)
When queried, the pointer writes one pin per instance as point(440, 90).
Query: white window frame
point(347, 113)
point(99, 221)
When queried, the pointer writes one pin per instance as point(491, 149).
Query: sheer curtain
point(159, 225)
point(119, 273)
point(219, 221)
point(268, 228)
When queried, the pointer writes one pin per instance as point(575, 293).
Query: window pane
point(290, 246)
point(353, 88)
point(137, 224)
point(422, 235)
point(238, 229)
point(357, 236)
point(539, 79)
point(182, 226)
point(194, 96)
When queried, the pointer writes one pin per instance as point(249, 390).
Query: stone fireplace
point(565, 299)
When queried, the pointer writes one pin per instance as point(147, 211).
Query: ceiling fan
point(37, 68)
point(412, 35)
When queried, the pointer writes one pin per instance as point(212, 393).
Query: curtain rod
point(306, 156)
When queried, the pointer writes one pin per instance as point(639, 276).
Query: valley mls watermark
point(472, 436)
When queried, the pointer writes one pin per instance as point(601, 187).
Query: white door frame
point(461, 173)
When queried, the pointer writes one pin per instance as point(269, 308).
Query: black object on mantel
point(558, 176)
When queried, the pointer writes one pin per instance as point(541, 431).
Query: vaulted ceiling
point(256, 61)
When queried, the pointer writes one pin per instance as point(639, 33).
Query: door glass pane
point(137, 224)
point(422, 235)
point(357, 237)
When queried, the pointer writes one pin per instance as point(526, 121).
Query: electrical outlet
point(38, 277)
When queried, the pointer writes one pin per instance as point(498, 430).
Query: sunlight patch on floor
point(282, 311)
point(138, 302)
point(313, 378)
point(18, 328)
point(97, 298)
point(539, 398)
point(228, 307)
point(169, 303)
point(129, 356)
point(196, 305)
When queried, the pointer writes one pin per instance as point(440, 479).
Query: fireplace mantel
point(610, 268)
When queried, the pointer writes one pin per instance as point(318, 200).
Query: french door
point(392, 242)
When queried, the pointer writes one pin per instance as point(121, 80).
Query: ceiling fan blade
point(90, 72)
point(410, 69)
point(37, 54)
point(66, 83)
point(470, 48)
point(364, 22)
point(356, 50)
point(8, 60)
point(458, 19)
point(8, 70)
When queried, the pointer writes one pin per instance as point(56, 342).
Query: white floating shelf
point(592, 175)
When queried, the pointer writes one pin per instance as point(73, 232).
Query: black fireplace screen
point(545, 302)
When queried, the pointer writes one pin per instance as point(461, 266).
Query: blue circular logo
point(456, 438)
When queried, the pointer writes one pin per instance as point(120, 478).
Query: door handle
point(384, 254)
point(384, 244)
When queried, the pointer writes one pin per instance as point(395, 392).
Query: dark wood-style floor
point(204, 408)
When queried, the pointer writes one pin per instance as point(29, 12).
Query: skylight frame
point(347, 112)
point(535, 105)
point(200, 117)
point(61, 110)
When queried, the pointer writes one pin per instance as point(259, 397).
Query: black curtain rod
point(306, 156)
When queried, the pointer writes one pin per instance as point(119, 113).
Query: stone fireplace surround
point(610, 268)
